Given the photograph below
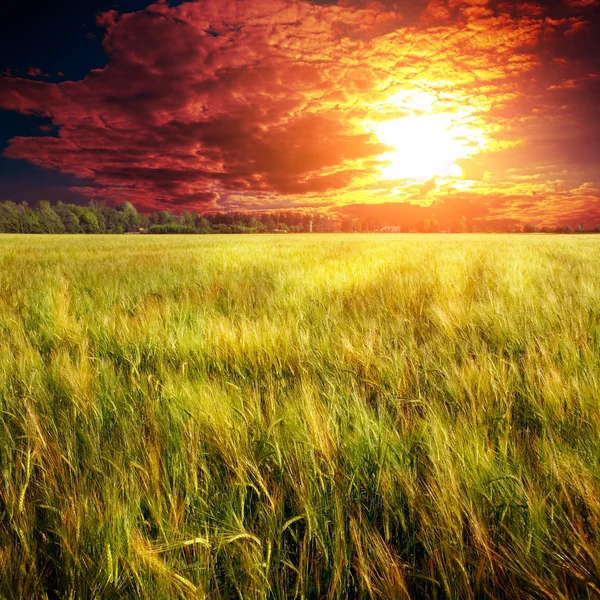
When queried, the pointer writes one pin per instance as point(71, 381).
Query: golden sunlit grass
point(300, 417)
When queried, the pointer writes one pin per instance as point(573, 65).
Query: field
point(326, 416)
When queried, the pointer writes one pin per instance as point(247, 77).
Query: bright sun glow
point(423, 147)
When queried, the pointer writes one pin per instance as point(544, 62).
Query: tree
point(131, 218)
point(96, 209)
point(529, 228)
point(144, 221)
point(88, 220)
point(254, 224)
point(202, 225)
point(172, 228)
point(114, 220)
point(565, 229)
point(28, 220)
point(188, 219)
point(68, 218)
point(9, 217)
point(461, 225)
point(49, 221)
point(162, 217)
point(347, 225)
point(433, 226)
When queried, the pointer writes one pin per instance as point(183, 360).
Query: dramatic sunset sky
point(430, 108)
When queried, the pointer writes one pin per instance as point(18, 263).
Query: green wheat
point(334, 416)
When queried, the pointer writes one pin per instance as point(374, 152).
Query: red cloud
point(108, 18)
point(208, 103)
point(34, 72)
point(202, 96)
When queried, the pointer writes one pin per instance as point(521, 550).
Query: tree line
point(68, 218)
point(97, 217)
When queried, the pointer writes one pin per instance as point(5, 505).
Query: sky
point(399, 110)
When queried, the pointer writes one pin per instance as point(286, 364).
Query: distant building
point(391, 229)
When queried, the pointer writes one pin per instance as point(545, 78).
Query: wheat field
point(325, 416)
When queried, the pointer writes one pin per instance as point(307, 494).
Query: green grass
point(344, 416)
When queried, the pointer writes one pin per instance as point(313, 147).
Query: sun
point(422, 147)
